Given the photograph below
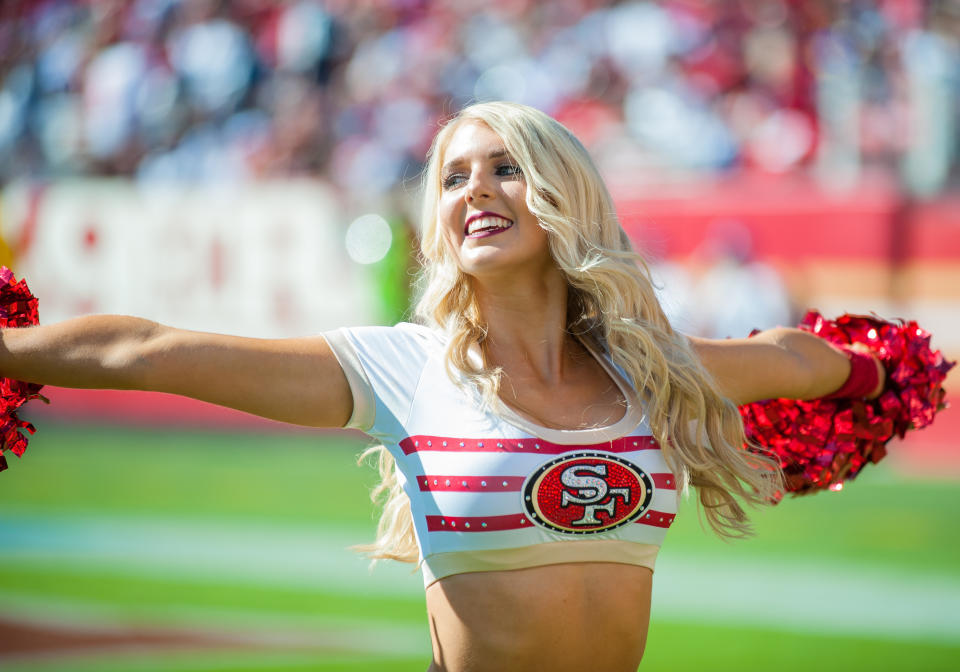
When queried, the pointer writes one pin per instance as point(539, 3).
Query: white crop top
point(492, 490)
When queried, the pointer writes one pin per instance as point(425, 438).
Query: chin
point(502, 262)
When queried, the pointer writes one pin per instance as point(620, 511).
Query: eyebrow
point(496, 154)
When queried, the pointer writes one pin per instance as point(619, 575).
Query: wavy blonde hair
point(611, 302)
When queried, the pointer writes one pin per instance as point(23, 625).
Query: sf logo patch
point(586, 493)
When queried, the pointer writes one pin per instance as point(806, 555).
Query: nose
point(478, 187)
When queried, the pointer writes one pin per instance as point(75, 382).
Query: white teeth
point(488, 223)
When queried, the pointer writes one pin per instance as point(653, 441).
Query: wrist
point(866, 378)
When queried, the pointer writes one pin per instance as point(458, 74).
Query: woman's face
point(482, 212)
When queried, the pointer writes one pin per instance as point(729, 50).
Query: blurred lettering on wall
point(266, 259)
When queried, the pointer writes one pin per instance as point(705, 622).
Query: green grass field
point(245, 535)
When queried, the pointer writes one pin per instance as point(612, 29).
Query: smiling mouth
point(486, 224)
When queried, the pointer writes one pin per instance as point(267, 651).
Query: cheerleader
point(538, 423)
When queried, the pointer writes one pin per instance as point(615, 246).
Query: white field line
point(795, 594)
point(808, 595)
point(215, 551)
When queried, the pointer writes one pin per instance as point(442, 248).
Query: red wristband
point(863, 378)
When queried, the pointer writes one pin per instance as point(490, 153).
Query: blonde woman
point(537, 426)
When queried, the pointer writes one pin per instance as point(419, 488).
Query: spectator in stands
point(210, 90)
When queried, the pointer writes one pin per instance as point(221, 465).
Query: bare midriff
point(577, 616)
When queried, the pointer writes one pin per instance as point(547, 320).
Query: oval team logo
point(586, 492)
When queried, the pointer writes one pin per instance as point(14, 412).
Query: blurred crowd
point(352, 90)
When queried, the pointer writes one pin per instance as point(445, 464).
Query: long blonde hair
point(611, 302)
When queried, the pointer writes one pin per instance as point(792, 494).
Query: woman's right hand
point(297, 380)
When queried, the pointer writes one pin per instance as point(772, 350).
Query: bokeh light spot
point(368, 239)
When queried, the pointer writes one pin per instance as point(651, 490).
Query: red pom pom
point(18, 308)
point(824, 442)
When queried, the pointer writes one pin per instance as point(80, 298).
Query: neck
point(526, 319)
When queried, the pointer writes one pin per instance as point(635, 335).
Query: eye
point(452, 180)
point(509, 169)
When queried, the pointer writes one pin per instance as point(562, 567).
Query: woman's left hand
point(881, 372)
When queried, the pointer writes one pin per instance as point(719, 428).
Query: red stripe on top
point(664, 481)
point(517, 521)
point(448, 483)
point(512, 521)
point(656, 518)
point(624, 444)
point(470, 483)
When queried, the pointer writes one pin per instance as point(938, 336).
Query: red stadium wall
point(791, 219)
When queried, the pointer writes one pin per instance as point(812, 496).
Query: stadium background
point(251, 167)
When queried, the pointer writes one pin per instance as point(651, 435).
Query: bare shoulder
point(296, 380)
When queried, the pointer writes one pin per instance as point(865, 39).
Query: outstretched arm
point(777, 363)
point(295, 380)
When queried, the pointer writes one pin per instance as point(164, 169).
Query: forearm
point(817, 368)
point(777, 363)
point(96, 351)
point(295, 380)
